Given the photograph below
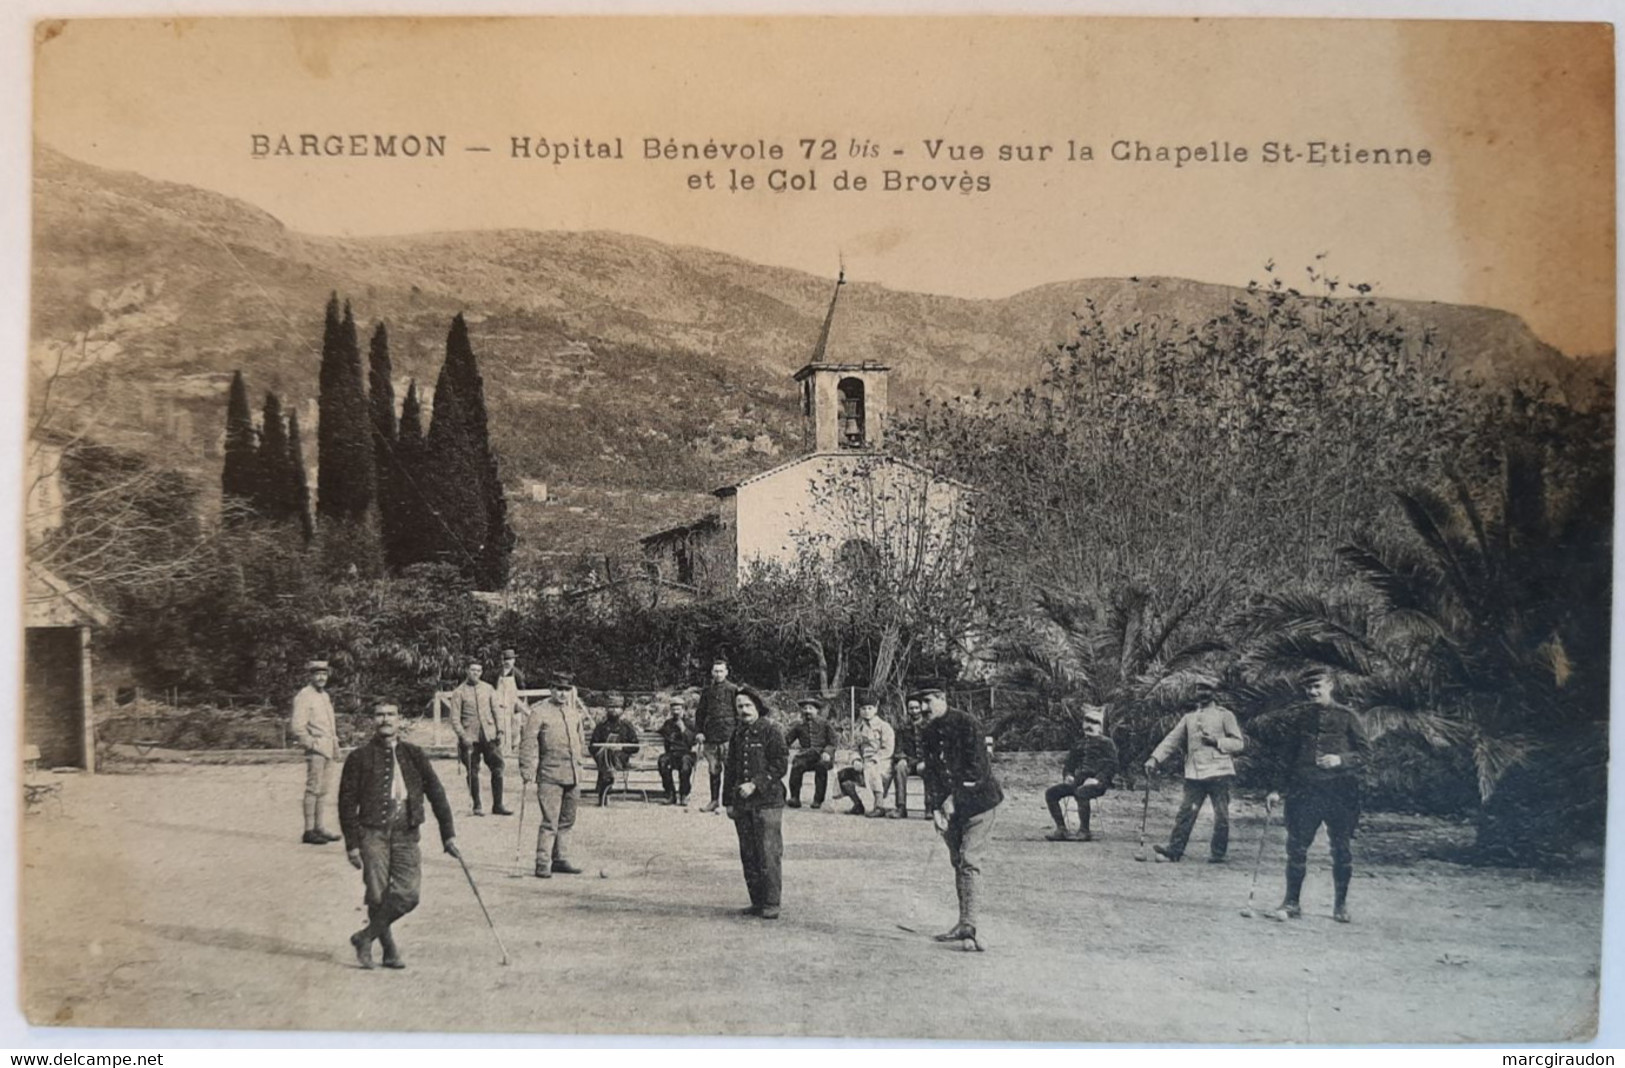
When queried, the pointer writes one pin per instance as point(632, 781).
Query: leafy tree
point(240, 479)
point(344, 451)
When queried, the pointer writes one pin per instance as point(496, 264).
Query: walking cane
point(470, 876)
point(519, 839)
point(1258, 860)
point(1145, 811)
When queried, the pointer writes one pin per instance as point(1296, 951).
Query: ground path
point(181, 897)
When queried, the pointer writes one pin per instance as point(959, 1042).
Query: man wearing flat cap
point(313, 727)
point(510, 706)
point(677, 740)
point(816, 737)
point(1087, 774)
point(474, 721)
point(962, 797)
point(381, 796)
point(613, 743)
point(714, 722)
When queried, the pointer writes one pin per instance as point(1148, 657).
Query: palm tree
point(1487, 632)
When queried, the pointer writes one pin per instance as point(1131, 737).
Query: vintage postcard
point(1045, 528)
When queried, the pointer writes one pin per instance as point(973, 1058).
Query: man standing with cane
point(962, 797)
point(714, 725)
point(550, 753)
point(314, 728)
point(381, 794)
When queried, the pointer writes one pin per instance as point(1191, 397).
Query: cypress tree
point(273, 497)
point(381, 408)
point(456, 526)
point(239, 474)
point(298, 486)
point(413, 522)
point(344, 460)
point(462, 373)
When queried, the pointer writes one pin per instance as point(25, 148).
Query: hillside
point(634, 375)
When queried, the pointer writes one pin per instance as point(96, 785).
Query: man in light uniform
point(474, 720)
point(510, 706)
point(550, 755)
point(876, 743)
point(314, 729)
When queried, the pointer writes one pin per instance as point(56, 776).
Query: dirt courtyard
point(180, 896)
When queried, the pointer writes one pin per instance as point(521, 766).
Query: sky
point(1515, 209)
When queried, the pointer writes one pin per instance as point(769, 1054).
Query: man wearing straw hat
point(314, 729)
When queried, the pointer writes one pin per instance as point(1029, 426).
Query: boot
point(1059, 834)
point(957, 933)
point(792, 802)
point(314, 838)
point(392, 955)
point(361, 942)
point(1288, 910)
point(544, 870)
point(1163, 854)
point(564, 867)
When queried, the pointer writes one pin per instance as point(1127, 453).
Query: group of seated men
point(886, 755)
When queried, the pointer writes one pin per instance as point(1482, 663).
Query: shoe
point(683, 801)
point(1341, 914)
point(712, 806)
point(754, 910)
point(900, 814)
point(394, 962)
point(1059, 834)
point(564, 867)
point(817, 804)
point(856, 810)
point(958, 933)
point(329, 836)
point(769, 912)
point(1084, 836)
point(477, 812)
point(1216, 860)
point(1163, 855)
point(1289, 910)
point(543, 871)
point(500, 811)
point(792, 802)
point(876, 814)
point(313, 838)
point(363, 949)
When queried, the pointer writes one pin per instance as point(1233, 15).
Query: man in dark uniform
point(1327, 749)
point(381, 793)
point(677, 734)
point(905, 758)
point(962, 797)
point(816, 737)
point(613, 743)
point(714, 724)
point(753, 793)
point(1088, 773)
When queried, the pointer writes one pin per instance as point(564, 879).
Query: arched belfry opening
point(843, 402)
point(849, 392)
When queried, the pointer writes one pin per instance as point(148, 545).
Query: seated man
point(876, 743)
point(612, 745)
point(1088, 774)
point(816, 737)
point(905, 758)
point(678, 735)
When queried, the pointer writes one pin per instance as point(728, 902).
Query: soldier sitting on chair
point(816, 737)
point(612, 745)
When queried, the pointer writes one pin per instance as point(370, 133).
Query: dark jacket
point(617, 731)
point(1094, 757)
point(756, 754)
point(1321, 731)
point(716, 715)
point(364, 790)
point(957, 765)
point(678, 735)
point(814, 736)
point(908, 741)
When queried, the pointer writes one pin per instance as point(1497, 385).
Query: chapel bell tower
point(843, 405)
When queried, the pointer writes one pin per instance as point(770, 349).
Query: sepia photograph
point(1019, 529)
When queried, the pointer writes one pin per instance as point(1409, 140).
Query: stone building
point(844, 500)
